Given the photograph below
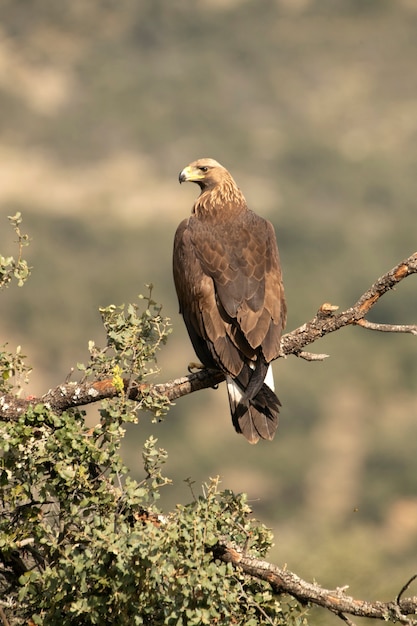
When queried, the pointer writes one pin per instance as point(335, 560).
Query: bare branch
point(335, 600)
point(74, 394)
point(326, 321)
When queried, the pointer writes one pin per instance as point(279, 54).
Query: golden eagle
point(228, 278)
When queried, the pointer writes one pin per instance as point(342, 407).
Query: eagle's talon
point(195, 366)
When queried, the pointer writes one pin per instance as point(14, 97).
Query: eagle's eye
point(203, 168)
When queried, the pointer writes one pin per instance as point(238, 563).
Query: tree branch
point(326, 321)
point(72, 394)
point(335, 600)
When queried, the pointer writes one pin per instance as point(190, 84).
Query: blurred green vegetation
point(312, 106)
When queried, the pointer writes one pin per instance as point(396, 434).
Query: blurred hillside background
point(312, 105)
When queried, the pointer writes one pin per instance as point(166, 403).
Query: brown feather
point(228, 279)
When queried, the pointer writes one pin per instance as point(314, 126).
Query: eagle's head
point(207, 173)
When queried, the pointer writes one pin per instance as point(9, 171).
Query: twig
point(388, 328)
point(312, 356)
point(345, 619)
point(404, 588)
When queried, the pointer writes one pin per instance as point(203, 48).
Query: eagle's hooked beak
point(185, 175)
point(191, 174)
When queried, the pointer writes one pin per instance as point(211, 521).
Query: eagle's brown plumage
point(228, 279)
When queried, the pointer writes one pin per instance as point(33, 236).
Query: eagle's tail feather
point(255, 418)
point(252, 378)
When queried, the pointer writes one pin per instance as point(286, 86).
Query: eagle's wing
point(242, 260)
point(234, 273)
point(209, 331)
